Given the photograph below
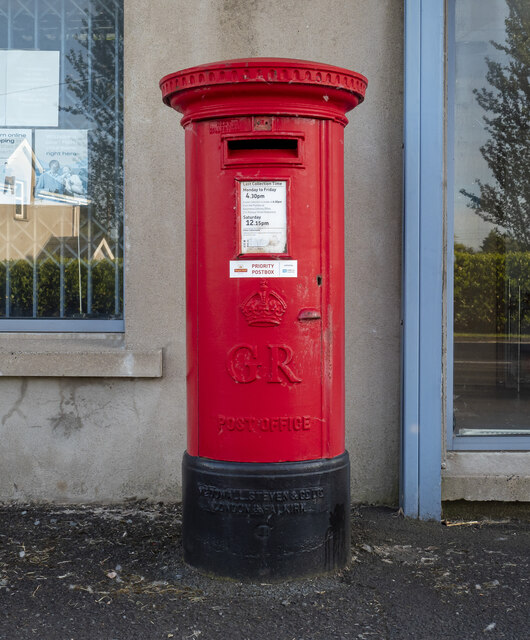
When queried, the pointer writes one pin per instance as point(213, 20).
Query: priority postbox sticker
point(263, 269)
point(263, 209)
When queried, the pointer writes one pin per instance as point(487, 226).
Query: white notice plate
point(263, 209)
point(263, 269)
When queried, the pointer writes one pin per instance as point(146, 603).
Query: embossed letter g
point(242, 363)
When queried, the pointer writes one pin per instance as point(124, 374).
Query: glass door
point(489, 196)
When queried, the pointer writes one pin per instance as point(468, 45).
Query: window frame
point(428, 444)
point(35, 325)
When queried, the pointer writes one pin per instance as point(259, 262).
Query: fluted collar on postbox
point(272, 86)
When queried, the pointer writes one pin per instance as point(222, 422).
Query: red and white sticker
point(263, 269)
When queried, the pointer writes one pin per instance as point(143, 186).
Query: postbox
point(266, 474)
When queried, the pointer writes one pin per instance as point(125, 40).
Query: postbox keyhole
point(319, 280)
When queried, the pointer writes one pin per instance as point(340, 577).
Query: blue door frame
point(423, 260)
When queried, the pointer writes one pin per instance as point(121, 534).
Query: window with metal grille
point(61, 165)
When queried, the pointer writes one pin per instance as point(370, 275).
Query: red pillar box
point(266, 475)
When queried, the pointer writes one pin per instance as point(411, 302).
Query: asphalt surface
point(113, 573)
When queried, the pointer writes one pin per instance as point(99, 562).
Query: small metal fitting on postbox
point(266, 473)
point(309, 314)
point(262, 123)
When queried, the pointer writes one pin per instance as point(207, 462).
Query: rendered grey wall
point(119, 434)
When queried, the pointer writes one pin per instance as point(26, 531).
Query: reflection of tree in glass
point(98, 93)
point(497, 242)
point(506, 200)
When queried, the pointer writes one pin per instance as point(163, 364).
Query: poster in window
point(3, 89)
point(16, 159)
point(63, 155)
point(29, 90)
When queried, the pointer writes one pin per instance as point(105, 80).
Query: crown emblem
point(265, 308)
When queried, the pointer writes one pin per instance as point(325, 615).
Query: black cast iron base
point(274, 520)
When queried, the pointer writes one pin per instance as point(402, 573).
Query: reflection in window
point(61, 194)
point(492, 218)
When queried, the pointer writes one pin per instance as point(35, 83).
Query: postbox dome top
point(263, 86)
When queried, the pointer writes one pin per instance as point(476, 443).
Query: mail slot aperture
point(263, 150)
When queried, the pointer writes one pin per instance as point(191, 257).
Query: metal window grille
point(74, 279)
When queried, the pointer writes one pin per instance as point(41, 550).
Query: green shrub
point(49, 282)
point(48, 288)
point(492, 292)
